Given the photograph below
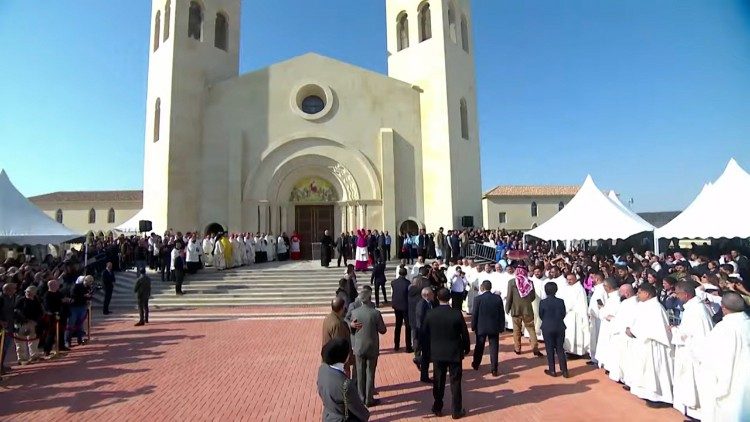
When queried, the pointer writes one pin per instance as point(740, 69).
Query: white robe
point(281, 245)
point(651, 359)
point(695, 325)
point(270, 248)
point(502, 289)
point(237, 251)
point(208, 247)
point(540, 296)
point(576, 319)
point(607, 316)
point(249, 250)
point(219, 261)
point(594, 318)
point(619, 348)
point(723, 367)
point(475, 279)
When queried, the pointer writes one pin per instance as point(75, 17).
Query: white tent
point(23, 223)
point(131, 226)
point(591, 215)
point(720, 210)
point(613, 197)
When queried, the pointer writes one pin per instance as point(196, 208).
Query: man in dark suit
point(552, 313)
point(422, 243)
point(366, 346)
point(400, 303)
point(336, 391)
point(378, 279)
point(342, 249)
point(142, 292)
point(423, 345)
point(414, 297)
point(487, 322)
point(449, 343)
point(108, 281)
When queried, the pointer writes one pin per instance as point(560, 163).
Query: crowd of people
point(672, 328)
point(44, 307)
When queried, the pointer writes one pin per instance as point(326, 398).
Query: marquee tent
point(131, 226)
point(613, 197)
point(23, 223)
point(591, 215)
point(720, 210)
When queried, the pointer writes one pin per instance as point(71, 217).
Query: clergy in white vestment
point(651, 359)
point(556, 277)
point(724, 364)
point(475, 279)
point(249, 248)
point(237, 251)
point(218, 253)
point(619, 350)
point(538, 280)
point(576, 319)
point(597, 301)
point(695, 324)
point(271, 247)
point(208, 247)
point(415, 269)
point(281, 248)
point(607, 314)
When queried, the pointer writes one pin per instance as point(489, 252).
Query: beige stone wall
point(76, 214)
point(518, 211)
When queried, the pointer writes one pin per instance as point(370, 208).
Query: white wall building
point(311, 143)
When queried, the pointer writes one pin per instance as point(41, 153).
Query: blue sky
point(650, 97)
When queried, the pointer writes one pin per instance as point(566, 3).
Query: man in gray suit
point(340, 399)
point(367, 345)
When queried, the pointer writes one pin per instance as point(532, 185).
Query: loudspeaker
point(467, 221)
point(144, 226)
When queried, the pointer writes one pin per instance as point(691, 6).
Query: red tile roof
point(90, 196)
point(533, 190)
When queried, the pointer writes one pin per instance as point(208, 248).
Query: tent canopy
point(23, 223)
point(591, 215)
point(131, 226)
point(719, 210)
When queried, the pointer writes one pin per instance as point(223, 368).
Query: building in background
point(90, 211)
point(523, 207)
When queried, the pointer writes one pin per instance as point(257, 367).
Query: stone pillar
point(285, 220)
point(364, 216)
point(352, 210)
point(263, 216)
point(388, 165)
point(344, 217)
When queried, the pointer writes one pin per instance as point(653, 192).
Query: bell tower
point(430, 46)
point(193, 44)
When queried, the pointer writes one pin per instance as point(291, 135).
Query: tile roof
point(90, 196)
point(533, 190)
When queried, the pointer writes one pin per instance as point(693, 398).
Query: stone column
point(352, 210)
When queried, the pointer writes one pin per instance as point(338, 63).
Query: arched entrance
point(214, 228)
point(313, 199)
point(409, 226)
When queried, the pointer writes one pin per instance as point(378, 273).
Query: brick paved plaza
point(265, 370)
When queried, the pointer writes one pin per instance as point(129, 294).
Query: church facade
point(311, 143)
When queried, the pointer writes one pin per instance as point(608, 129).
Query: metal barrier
point(483, 252)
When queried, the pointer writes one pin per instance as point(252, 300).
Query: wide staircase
point(275, 284)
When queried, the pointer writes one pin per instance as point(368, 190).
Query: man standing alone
point(487, 322)
point(449, 343)
point(326, 246)
point(521, 296)
point(142, 293)
point(367, 346)
point(108, 281)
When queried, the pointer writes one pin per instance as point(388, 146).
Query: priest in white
point(558, 278)
point(237, 251)
point(694, 326)
point(208, 248)
point(651, 360)
point(576, 319)
point(597, 301)
point(538, 279)
point(606, 314)
point(502, 290)
point(475, 277)
point(723, 370)
point(619, 349)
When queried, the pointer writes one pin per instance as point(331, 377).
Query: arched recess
point(276, 157)
point(286, 177)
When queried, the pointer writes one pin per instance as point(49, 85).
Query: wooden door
point(310, 222)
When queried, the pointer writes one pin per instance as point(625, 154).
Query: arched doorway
point(313, 198)
point(214, 228)
point(409, 226)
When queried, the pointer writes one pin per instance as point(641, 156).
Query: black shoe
point(437, 412)
point(626, 388)
point(64, 349)
point(538, 354)
point(139, 323)
point(409, 350)
point(374, 402)
point(566, 374)
point(495, 373)
point(396, 349)
point(518, 352)
point(460, 414)
point(106, 312)
point(475, 366)
point(591, 363)
point(657, 404)
point(426, 380)
point(550, 373)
